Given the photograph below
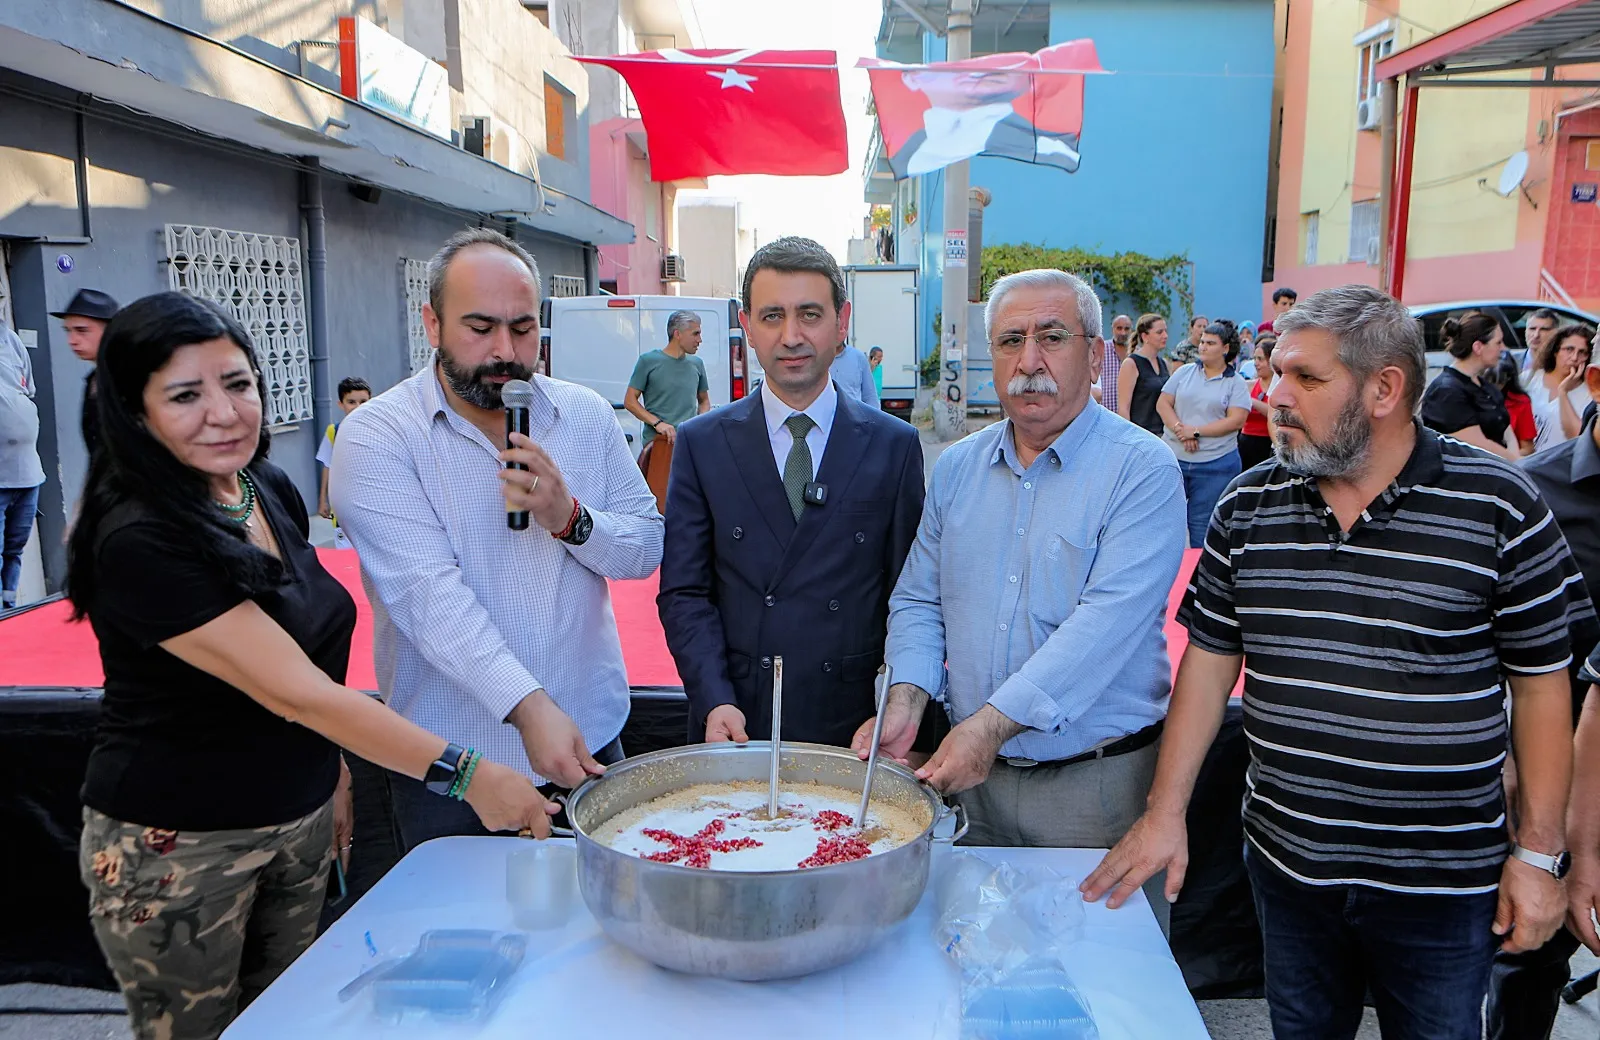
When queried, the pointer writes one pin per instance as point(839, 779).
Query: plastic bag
point(453, 974)
point(1005, 930)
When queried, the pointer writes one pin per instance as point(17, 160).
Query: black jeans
point(1525, 989)
point(420, 815)
point(1425, 958)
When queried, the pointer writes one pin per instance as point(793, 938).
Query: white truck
point(883, 313)
point(596, 340)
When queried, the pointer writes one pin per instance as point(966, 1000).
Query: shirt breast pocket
point(1060, 572)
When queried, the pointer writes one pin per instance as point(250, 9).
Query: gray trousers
point(1089, 805)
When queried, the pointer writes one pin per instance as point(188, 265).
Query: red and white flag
point(737, 111)
point(1019, 106)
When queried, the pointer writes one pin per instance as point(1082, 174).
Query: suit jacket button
point(827, 666)
point(738, 532)
point(860, 537)
point(771, 601)
point(833, 604)
point(766, 662)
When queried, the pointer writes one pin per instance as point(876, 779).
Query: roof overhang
point(126, 57)
point(1516, 37)
point(992, 20)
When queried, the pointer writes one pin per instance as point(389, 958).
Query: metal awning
point(1522, 35)
point(130, 58)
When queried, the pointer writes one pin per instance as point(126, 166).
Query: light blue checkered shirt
point(469, 616)
point(1045, 588)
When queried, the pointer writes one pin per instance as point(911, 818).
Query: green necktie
point(797, 468)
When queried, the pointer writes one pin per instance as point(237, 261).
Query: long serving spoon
point(777, 730)
point(872, 754)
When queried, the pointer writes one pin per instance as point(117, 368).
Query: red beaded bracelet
point(571, 521)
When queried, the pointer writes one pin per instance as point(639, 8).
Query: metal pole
point(1386, 193)
point(950, 401)
point(317, 291)
point(1402, 205)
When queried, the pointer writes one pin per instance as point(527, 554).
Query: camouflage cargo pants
point(195, 924)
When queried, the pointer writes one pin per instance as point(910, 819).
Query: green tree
point(1159, 285)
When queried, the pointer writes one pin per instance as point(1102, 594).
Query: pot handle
point(561, 832)
point(958, 811)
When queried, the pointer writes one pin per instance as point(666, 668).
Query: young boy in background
point(353, 393)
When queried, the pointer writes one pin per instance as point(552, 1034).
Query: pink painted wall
point(619, 178)
point(1511, 274)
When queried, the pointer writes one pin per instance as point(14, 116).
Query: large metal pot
point(749, 925)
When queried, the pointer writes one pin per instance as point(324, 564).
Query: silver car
point(1512, 315)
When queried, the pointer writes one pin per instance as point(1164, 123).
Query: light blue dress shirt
point(470, 617)
point(853, 372)
point(1045, 587)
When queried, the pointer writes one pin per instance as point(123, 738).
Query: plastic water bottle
point(1029, 1004)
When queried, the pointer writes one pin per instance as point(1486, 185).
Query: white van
point(596, 340)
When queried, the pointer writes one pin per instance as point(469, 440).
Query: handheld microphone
point(517, 397)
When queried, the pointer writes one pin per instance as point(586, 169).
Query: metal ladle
point(777, 730)
point(872, 753)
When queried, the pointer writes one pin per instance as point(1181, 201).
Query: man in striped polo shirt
point(1376, 581)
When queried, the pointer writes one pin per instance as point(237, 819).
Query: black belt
point(1132, 742)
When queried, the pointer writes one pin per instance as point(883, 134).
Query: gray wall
point(143, 177)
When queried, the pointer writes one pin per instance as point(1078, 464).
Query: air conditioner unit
point(477, 135)
point(672, 269)
point(1369, 113)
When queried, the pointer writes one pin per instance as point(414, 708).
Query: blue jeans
point(1425, 959)
point(18, 506)
point(420, 815)
point(1203, 484)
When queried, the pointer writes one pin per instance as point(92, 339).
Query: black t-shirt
point(177, 747)
point(89, 420)
point(1454, 402)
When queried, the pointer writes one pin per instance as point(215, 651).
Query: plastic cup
point(541, 883)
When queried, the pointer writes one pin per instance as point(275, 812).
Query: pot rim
point(939, 809)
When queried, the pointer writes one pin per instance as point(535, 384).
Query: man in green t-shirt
point(668, 386)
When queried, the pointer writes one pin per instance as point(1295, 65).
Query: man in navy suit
point(789, 515)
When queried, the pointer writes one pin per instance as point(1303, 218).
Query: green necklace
point(241, 513)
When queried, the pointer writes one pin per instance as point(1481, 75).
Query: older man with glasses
point(1040, 573)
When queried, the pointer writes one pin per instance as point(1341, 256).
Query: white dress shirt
point(955, 134)
point(470, 617)
point(822, 411)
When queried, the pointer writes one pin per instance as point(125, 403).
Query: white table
point(577, 983)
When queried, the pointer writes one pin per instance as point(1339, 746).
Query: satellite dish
point(1511, 177)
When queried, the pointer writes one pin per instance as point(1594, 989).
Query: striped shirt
point(1373, 660)
point(468, 616)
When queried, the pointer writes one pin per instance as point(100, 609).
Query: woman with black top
point(1143, 374)
point(1460, 403)
point(208, 816)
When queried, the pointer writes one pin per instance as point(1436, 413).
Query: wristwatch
point(442, 774)
point(1556, 866)
point(582, 527)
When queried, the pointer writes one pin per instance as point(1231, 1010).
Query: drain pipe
point(317, 292)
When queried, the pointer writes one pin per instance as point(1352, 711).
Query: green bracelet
point(459, 783)
point(460, 793)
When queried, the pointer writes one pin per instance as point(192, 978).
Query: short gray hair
point(439, 266)
point(1046, 278)
point(1375, 331)
point(795, 255)
point(680, 320)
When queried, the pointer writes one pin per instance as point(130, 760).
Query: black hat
point(89, 303)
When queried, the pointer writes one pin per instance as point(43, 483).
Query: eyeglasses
point(1050, 341)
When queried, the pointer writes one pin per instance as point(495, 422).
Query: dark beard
point(1345, 452)
point(471, 387)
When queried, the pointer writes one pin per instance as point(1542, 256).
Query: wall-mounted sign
point(378, 70)
point(955, 247)
point(64, 263)
point(1585, 191)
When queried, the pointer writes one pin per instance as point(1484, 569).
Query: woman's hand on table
point(505, 800)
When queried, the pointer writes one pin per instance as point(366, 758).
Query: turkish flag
point(741, 111)
point(1019, 106)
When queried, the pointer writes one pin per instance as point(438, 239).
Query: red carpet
point(42, 648)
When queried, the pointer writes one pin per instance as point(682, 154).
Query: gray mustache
point(1038, 383)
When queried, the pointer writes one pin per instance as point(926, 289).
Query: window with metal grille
point(1364, 232)
point(568, 285)
point(414, 279)
point(257, 279)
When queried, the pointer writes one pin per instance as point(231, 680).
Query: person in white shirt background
point(1555, 385)
point(20, 471)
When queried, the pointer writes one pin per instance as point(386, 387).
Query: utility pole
point(950, 398)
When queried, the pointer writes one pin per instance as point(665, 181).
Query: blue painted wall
point(1175, 148)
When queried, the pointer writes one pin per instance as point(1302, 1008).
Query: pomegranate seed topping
point(830, 820)
point(696, 849)
point(837, 849)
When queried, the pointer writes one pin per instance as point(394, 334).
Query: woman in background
point(1143, 374)
point(1203, 406)
point(208, 823)
point(1523, 430)
point(1255, 439)
point(1556, 390)
point(1460, 403)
